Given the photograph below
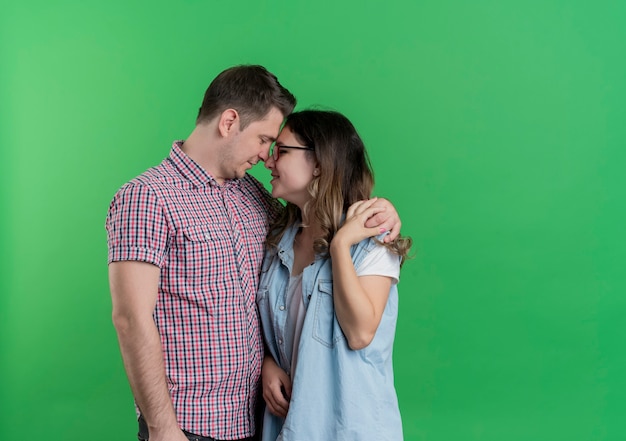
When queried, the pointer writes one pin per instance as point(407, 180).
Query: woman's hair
point(345, 177)
point(249, 89)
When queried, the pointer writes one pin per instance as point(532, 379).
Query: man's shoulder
point(264, 200)
point(252, 187)
point(156, 182)
point(154, 177)
point(253, 183)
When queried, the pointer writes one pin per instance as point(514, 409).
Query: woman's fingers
point(276, 402)
point(367, 213)
point(359, 206)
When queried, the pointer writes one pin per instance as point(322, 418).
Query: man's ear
point(228, 122)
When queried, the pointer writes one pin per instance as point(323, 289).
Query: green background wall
point(496, 127)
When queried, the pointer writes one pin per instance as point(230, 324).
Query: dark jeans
point(143, 434)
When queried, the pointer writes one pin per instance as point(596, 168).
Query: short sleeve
point(380, 261)
point(136, 226)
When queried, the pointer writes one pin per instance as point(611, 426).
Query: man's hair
point(345, 176)
point(249, 89)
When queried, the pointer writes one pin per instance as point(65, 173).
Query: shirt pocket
point(326, 329)
point(205, 248)
point(203, 265)
point(204, 232)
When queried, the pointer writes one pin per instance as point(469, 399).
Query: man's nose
point(265, 154)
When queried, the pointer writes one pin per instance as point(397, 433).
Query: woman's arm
point(276, 387)
point(359, 301)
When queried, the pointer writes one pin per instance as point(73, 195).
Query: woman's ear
point(228, 122)
point(316, 171)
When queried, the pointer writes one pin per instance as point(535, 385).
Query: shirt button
point(280, 341)
point(281, 307)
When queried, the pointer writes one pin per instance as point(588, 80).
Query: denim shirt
point(337, 393)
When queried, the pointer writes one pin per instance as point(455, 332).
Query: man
point(186, 240)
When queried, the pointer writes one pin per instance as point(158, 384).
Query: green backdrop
point(496, 127)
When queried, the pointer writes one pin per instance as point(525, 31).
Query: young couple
point(188, 258)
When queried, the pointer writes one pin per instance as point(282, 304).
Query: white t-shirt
point(379, 262)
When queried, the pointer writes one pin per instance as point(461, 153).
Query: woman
point(327, 296)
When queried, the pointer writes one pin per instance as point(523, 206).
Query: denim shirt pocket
point(326, 329)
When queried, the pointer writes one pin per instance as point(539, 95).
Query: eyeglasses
point(275, 153)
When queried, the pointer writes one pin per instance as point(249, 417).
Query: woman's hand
point(276, 387)
point(386, 220)
point(354, 229)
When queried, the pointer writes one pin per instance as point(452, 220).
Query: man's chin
point(241, 173)
point(247, 169)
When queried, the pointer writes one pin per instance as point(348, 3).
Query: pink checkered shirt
point(208, 241)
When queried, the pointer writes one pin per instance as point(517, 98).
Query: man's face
point(250, 145)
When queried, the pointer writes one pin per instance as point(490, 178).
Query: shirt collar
point(286, 242)
point(193, 171)
point(284, 249)
point(188, 167)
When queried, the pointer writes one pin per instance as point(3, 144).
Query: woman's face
point(292, 169)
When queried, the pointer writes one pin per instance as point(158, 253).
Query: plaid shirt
point(208, 241)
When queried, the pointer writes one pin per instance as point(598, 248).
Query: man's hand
point(385, 220)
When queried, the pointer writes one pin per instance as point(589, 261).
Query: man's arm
point(134, 289)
